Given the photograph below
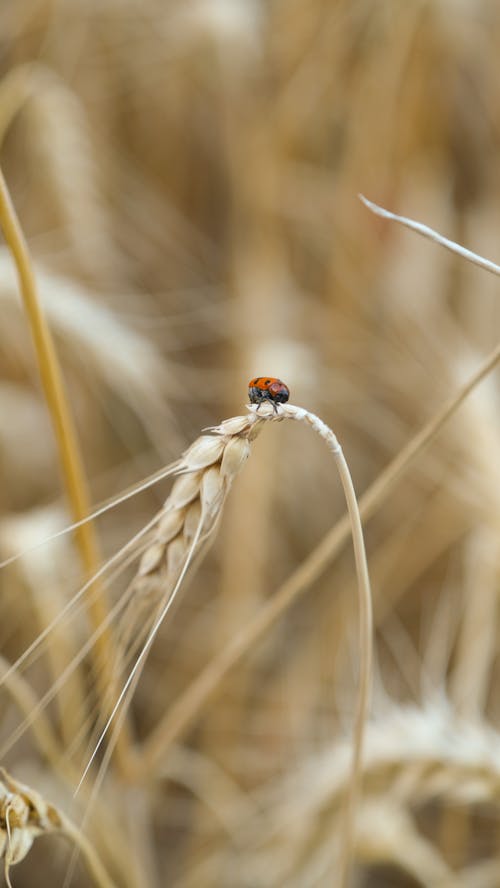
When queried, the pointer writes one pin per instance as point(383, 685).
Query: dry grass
point(187, 175)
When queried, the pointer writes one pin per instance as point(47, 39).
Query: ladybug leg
point(264, 399)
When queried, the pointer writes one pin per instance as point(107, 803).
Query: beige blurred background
point(187, 174)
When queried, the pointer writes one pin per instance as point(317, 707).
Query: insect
point(268, 388)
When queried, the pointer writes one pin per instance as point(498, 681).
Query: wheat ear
point(207, 470)
point(24, 815)
point(181, 531)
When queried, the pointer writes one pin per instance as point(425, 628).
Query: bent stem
point(67, 442)
point(365, 635)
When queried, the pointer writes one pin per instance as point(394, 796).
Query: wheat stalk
point(433, 235)
point(65, 433)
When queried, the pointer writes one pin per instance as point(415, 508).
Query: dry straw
point(65, 433)
point(429, 233)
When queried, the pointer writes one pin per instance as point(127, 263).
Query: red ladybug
point(268, 388)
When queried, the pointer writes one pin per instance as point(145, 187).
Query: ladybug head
point(278, 391)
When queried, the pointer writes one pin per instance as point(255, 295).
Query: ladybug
point(268, 388)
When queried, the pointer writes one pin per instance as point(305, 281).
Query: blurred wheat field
point(186, 174)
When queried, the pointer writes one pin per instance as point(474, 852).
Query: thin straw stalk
point(433, 235)
point(365, 631)
point(65, 433)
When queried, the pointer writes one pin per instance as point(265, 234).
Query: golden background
point(187, 177)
